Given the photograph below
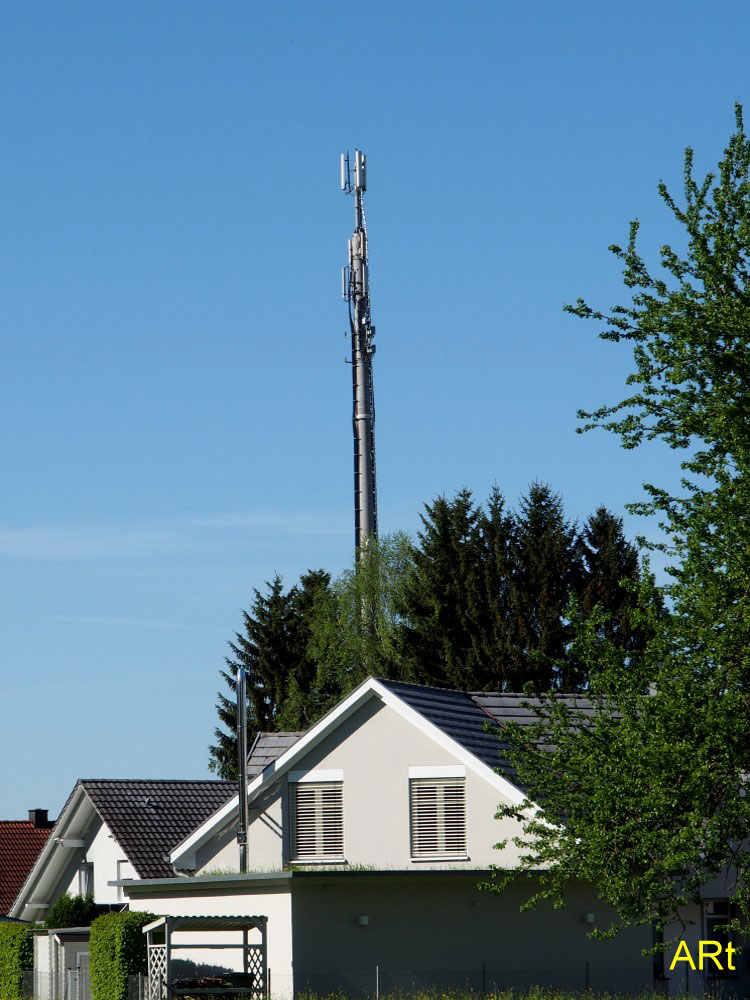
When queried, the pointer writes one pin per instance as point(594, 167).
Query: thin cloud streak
point(278, 523)
point(138, 541)
point(78, 543)
point(131, 622)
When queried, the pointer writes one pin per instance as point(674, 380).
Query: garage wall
point(443, 930)
point(274, 902)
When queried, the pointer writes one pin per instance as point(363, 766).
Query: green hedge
point(16, 957)
point(117, 949)
point(71, 911)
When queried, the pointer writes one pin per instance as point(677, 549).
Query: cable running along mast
point(356, 292)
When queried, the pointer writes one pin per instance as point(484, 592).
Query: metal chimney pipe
point(242, 765)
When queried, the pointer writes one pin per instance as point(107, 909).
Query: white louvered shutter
point(318, 820)
point(438, 817)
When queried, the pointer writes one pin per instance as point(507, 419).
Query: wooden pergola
point(160, 946)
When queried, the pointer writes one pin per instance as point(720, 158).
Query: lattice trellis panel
point(255, 965)
point(157, 971)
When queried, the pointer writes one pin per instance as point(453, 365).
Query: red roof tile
point(20, 844)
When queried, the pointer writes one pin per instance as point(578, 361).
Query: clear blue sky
point(175, 407)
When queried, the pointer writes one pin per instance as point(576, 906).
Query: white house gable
point(381, 789)
point(93, 866)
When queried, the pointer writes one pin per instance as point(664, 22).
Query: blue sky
point(175, 406)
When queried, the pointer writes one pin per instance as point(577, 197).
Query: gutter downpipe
point(242, 765)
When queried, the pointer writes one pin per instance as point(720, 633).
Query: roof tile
point(266, 748)
point(148, 818)
point(20, 844)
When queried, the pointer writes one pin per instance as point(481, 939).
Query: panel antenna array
point(356, 291)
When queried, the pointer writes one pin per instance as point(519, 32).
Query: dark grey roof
point(508, 707)
point(266, 748)
point(475, 719)
point(149, 818)
point(456, 713)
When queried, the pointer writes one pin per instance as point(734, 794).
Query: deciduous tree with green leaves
point(647, 799)
point(354, 627)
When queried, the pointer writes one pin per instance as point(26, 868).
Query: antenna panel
point(360, 171)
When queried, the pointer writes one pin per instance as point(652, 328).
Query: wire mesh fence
point(74, 984)
point(383, 981)
point(379, 982)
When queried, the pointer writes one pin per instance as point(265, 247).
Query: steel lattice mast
point(356, 291)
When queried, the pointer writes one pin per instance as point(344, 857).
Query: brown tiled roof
point(20, 844)
point(149, 818)
point(266, 748)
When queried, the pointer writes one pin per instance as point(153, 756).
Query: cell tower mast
point(356, 291)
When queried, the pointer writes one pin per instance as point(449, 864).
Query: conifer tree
point(269, 649)
point(609, 561)
point(300, 706)
point(494, 636)
point(547, 569)
point(442, 607)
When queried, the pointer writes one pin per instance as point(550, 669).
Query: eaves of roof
point(194, 884)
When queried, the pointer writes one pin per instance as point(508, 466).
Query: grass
point(533, 993)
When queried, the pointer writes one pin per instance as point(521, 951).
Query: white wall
point(42, 966)
point(104, 852)
point(375, 749)
point(273, 902)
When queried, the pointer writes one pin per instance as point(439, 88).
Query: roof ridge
point(159, 781)
point(422, 687)
point(283, 732)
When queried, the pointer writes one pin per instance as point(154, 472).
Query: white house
point(108, 831)
point(368, 836)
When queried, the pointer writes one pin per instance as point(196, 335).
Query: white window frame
point(315, 780)
point(86, 878)
point(437, 775)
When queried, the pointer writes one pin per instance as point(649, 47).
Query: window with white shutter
point(318, 825)
point(438, 818)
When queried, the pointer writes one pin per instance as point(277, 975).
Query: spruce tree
point(441, 604)
point(547, 569)
point(300, 705)
point(609, 562)
point(495, 636)
point(268, 648)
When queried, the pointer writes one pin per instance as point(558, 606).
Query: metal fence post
point(377, 982)
point(587, 974)
point(484, 979)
